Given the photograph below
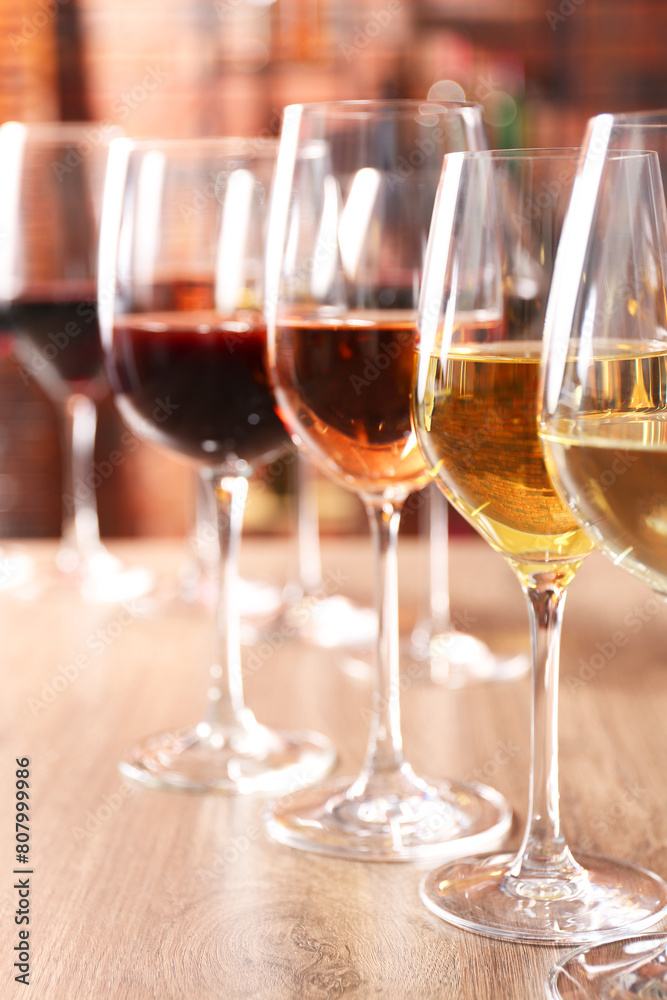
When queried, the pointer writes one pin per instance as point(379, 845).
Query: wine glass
point(493, 241)
point(603, 426)
point(53, 177)
point(180, 299)
point(618, 969)
point(344, 260)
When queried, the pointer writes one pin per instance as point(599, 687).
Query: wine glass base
point(333, 622)
point(478, 894)
point(620, 969)
point(16, 568)
point(434, 819)
point(456, 659)
point(121, 584)
point(99, 578)
point(257, 599)
point(453, 659)
point(235, 761)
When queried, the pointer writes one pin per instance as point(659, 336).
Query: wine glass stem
point(438, 534)
point(205, 535)
point(226, 706)
point(544, 850)
point(385, 745)
point(80, 527)
point(308, 527)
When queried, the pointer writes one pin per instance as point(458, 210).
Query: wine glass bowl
point(603, 422)
point(363, 439)
point(180, 292)
point(489, 272)
point(351, 205)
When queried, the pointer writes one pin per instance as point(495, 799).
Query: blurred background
point(540, 68)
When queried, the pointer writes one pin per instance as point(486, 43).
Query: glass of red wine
point(345, 254)
point(54, 175)
point(181, 272)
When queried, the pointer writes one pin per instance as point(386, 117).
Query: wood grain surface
point(141, 894)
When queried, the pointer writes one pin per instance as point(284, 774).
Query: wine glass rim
point(64, 131)
point(537, 153)
point(636, 118)
point(250, 145)
point(398, 106)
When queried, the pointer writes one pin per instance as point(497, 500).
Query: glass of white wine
point(492, 247)
point(604, 418)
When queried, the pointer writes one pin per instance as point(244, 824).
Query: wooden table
point(142, 894)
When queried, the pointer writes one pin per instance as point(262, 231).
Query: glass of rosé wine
point(345, 252)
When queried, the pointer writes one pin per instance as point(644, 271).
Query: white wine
point(610, 458)
point(613, 467)
point(477, 426)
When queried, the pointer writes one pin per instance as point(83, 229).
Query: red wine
point(58, 339)
point(197, 383)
